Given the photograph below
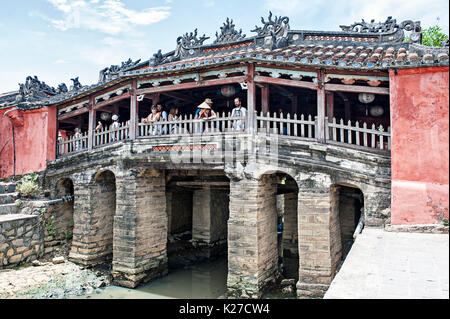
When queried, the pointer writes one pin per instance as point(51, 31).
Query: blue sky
point(61, 39)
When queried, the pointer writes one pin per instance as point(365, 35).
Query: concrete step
point(8, 198)
point(7, 188)
point(8, 209)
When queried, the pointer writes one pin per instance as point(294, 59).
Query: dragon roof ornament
point(228, 33)
point(276, 31)
point(278, 27)
point(107, 73)
point(390, 26)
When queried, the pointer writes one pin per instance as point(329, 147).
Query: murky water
point(206, 280)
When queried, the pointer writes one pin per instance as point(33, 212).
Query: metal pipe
point(65, 199)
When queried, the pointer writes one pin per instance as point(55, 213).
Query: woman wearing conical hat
point(206, 113)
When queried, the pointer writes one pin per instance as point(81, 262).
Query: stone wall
point(21, 240)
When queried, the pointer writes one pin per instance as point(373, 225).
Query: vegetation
point(28, 186)
point(434, 37)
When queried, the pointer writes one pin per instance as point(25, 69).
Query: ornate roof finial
point(278, 29)
point(228, 33)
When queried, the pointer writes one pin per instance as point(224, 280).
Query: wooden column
point(134, 114)
point(251, 98)
point(92, 124)
point(294, 107)
point(320, 130)
point(330, 105)
point(265, 104)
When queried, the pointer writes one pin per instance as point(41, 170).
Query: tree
point(433, 37)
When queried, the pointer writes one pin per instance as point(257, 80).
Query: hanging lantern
point(228, 90)
point(105, 116)
point(376, 111)
point(366, 98)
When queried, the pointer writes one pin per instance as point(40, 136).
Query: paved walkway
point(388, 265)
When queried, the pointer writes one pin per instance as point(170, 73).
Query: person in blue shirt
point(163, 118)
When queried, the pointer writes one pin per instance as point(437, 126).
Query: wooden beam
point(112, 100)
point(69, 121)
point(356, 89)
point(321, 105)
point(92, 118)
point(330, 105)
point(292, 83)
point(73, 113)
point(251, 98)
point(289, 93)
point(181, 96)
point(265, 99)
point(134, 104)
point(192, 85)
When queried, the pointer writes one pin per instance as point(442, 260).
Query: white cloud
point(209, 3)
point(107, 16)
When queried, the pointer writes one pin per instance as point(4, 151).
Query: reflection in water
point(206, 280)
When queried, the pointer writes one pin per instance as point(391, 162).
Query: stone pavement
point(392, 265)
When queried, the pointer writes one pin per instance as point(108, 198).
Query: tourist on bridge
point(239, 111)
point(206, 113)
point(153, 118)
point(162, 118)
point(114, 127)
point(173, 116)
point(78, 142)
point(99, 126)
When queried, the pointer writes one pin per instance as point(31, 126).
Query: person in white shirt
point(114, 127)
point(239, 111)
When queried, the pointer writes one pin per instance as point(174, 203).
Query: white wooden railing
point(184, 126)
point(359, 135)
point(72, 144)
point(109, 136)
point(302, 127)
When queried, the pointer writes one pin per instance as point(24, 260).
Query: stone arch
point(349, 203)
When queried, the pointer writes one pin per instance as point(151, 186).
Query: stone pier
point(319, 238)
point(94, 210)
point(209, 223)
point(252, 236)
point(140, 228)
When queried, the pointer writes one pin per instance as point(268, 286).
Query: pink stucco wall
point(35, 140)
point(420, 145)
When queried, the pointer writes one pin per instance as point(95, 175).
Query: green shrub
point(28, 185)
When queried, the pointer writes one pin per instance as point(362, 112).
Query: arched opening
point(351, 207)
point(103, 209)
point(287, 226)
point(280, 228)
point(58, 220)
point(197, 206)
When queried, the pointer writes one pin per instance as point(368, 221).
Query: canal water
point(205, 280)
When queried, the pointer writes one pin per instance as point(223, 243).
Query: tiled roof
point(352, 56)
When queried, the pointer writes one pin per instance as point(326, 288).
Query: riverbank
point(46, 280)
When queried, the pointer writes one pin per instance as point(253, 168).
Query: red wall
point(420, 145)
point(35, 140)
